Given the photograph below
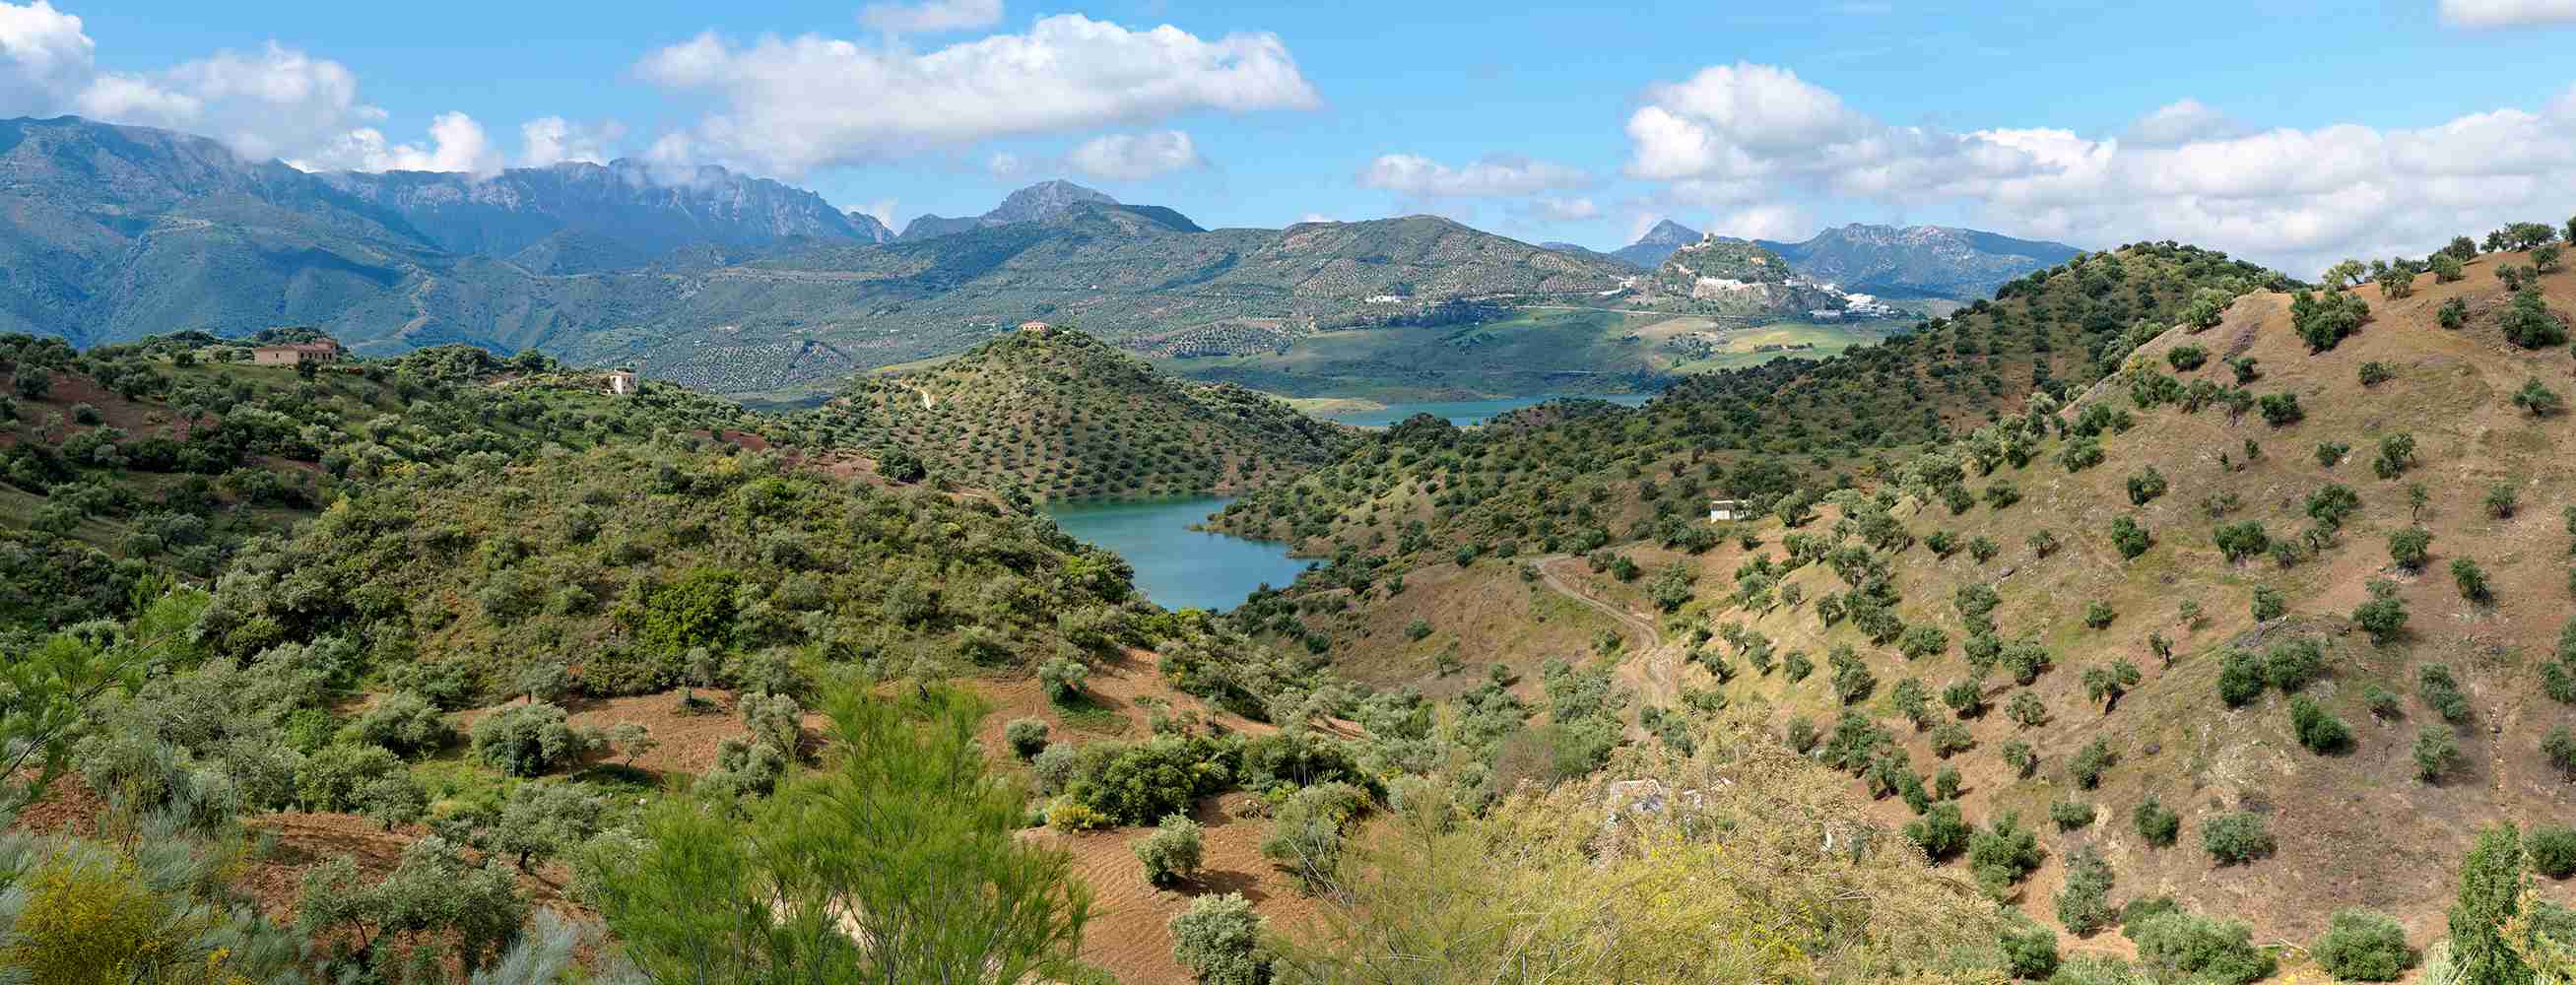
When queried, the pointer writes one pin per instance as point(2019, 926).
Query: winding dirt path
point(1653, 665)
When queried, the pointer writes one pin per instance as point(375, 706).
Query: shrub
point(2540, 400)
point(2185, 358)
point(2241, 540)
point(2362, 946)
point(2080, 454)
point(2376, 373)
point(2502, 499)
point(2070, 814)
point(2003, 853)
point(2146, 485)
point(527, 740)
point(2471, 579)
point(2559, 748)
point(2453, 314)
point(1950, 739)
point(2158, 825)
point(2098, 615)
point(2026, 710)
point(2267, 604)
point(2396, 453)
point(1983, 548)
point(2201, 949)
point(404, 722)
point(2030, 952)
point(2292, 664)
point(2441, 692)
point(1219, 940)
point(1062, 678)
point(1417, 630)
point(2084, 901)
point(2552, 849)
point(2043, 543)
point(2280, 409)
point(2129, 537)
point(2528, 322)
point(2240, 677)
point(1027, 737)
point(1965, 698)
point(1923, 640)
point(2332, 453)
point(2236, 838)
point(2383, 617)
point(2090, 762)
point(2317, 729)
point(2023, 759)
point(2410, 547)
point(2106, 684)
point(1940, 832)
point(1172, 853)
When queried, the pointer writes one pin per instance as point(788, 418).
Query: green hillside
point(1058, 414)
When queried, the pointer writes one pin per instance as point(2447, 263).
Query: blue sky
point(2290, 134)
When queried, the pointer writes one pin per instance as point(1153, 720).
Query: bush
point(2376, 373)
point(2129, 537)
point(1062, 678)
point(2540, 400)
point(2471, 579)
point(2559, 748)
point(404, 722)
point(2396, 453)
point(2236, 838)
point(1026, 736)
point(2023, 759)
point(2241, 540)
point(2003, 854)
point(1940, 832)
point(2098, 615)
point(527, 740)
point(2084, 901)
point(1219, 940)
point(2318, 729)
point(2146, 485)
point(2157, 824)
point(2185, 358)
point(2410, 547)
point(1950, 739)
point(1172, 853)
point(2070, 814)
point(2437, 751)
point(2240, 677)
point(2090, 762)
point(2528, 322)
point(2280, 409)
point(2204, 949)
point(2292, 664)
point(2383, 617)
point(2267, 604)
point(2552, 849)
point(2030, 952)
point(2441, 692)
point(2362, 946)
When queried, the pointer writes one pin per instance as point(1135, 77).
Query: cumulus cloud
point(551, 140)
point(931, 16)
point(2507, 13)
point(2293, 198)
point(45, 58)
point(2180, 123)
point(1499, 176)
point(1577, 209)
point(1133, 157)
point(276, 102)
point(457, 143)
point(790, 105)
point(1777, 221)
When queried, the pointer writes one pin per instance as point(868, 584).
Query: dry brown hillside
point(2355, 827)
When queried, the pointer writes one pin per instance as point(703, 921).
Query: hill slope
point(1657, 245)
point(1059, 414)
point(1877, 609)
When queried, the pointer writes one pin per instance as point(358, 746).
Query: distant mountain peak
point(1652, 249)
point(1045, 200)
point(1668, 233)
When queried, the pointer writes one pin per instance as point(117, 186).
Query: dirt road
point(1652, 666)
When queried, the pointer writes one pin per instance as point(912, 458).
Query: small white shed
point(1729, 509)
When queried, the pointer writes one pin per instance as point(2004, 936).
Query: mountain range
point(1891, 261)
point(730, 283)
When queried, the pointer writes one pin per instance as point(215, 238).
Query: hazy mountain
point(644, 212)
point(1046, 201)
point(734, 284)
point(1919, 261)
point(1650, 250)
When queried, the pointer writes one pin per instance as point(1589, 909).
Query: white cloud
point(2180, 123)
point(931, 16)
point(1493, 177)
point(1316, 217)
point(44, 58)
point(2507, 13)
point(1773, 221)
point(457, 143)
point(1737, 135)
point(882, 210)
point(1134, 157)
point(551, 140)
point(1004, 164)
point(1577, 209)
point(794, 104)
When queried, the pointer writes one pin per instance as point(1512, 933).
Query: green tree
point(2491, 887)
point(1219, 940)
point(1173, 852)
point(897, 861)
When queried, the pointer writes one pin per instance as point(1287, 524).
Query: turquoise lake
point(1177, 567)
point(1466, 412)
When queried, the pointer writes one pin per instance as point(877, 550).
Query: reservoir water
point(1465, 412)
point(1177, 567)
